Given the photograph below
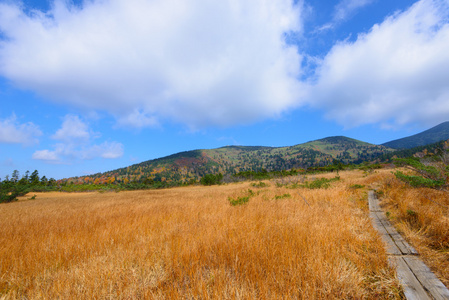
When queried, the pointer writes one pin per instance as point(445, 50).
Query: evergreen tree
point(15, 176)
point(34, 178)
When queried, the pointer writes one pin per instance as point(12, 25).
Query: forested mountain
point(437, 149)
point(430, 136)
point(190, 166)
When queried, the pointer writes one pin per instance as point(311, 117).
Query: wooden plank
point(399, 241)
point(373, 202)
point(392, 249)
point(413, 289)
point(426, 277)
point(416, 278)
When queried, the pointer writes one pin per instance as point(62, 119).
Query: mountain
point(430, 136)
point(192, 165)
point(437, 149)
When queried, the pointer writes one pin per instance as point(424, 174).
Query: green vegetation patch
point(260, 184)
point(432, 174)
point(356, 186)
point(321, 183)
point(284, 196)
point(211, 179)
point(238, 200)
point(418, 181)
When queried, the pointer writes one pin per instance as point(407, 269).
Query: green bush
point(433, 174)
point(419, 181)
point(238, 200)
point(278, 197)
point(211, 179)
point(356, 186)
point(411, 213)
point(260, 184)
point(9, 193)
point(321, 183)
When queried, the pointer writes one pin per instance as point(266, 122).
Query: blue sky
point(89, 86)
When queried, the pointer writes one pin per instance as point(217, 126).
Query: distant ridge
point(191, 166)
point(430, 136)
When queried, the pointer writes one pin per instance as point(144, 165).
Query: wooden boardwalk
point(416, 278)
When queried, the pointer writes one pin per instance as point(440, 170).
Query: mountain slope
point(430, 136)
point(192, 165)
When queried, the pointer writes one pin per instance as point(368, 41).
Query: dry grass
point(190, 243)
point(422, 216)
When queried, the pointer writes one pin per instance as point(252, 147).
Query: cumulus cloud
point(75, 142)
point(13, 132)
point(72, 129)
point(46, 155)
point(196, 62)
point(396, 73)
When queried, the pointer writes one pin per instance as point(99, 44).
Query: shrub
point(238, 200)
point(321, 183)
point(211, 179)
point(418, 181)
point(431, 175)
point(278, 197)
point(357, 186)
point(260, 184)
point(10, 193)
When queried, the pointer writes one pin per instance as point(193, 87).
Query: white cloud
point(12, 132)
point(72, 129)
point(47, 155)
point(196, 62)
point(345, 8)
point(76, 143)
point(137, 119)
point(109, 150)
point(395, 74)
point(343, 11)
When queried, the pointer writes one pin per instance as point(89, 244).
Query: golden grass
point(422, 216)
point(190, 243)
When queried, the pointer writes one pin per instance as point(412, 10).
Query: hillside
point(430, 136)
point(420, 151)
point(192, 165)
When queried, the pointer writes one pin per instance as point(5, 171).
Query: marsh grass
point(189, 243)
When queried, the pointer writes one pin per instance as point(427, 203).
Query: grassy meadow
point(285, 242)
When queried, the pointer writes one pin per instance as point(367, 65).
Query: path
point(416, 278)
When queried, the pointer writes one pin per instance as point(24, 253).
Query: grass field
point(286, 242)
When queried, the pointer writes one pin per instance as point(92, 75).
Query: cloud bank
point(395, 74)
point(221, 63)
point(75, 142)
point(196, 62)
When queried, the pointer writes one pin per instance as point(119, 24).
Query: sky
point(89, 86)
